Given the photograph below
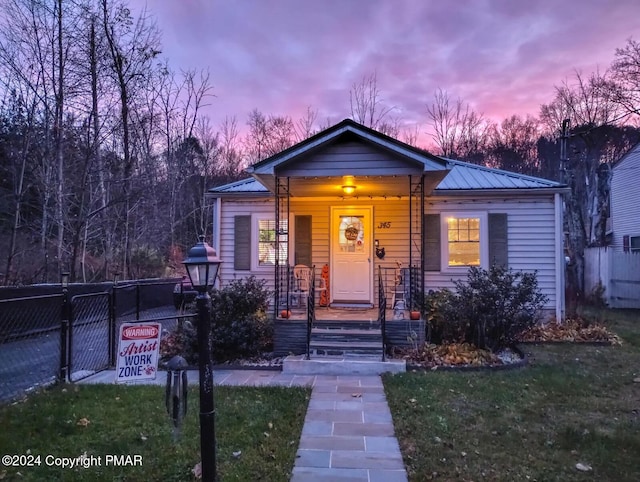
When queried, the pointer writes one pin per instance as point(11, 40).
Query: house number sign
point(384, 225)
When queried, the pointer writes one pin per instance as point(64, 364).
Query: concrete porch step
point(337, 336)
point(341, 365)
point(339, 347)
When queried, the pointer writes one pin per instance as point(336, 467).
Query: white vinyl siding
point(531, 237)
point(352, 158)
point(530, 228)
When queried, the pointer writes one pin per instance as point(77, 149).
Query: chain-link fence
point(90, 338)
point(50, 337)
point(30, 343)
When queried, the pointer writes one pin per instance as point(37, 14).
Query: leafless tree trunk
point(458, 131)
point(366, 103)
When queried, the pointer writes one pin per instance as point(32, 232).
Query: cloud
point(503, 57)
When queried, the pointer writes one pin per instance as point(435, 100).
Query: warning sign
point(138, 348)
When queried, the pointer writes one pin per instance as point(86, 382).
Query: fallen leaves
point(454, 354)
point(576, 330)
point(83, 422)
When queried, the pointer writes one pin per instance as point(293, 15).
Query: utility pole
point(564, 158)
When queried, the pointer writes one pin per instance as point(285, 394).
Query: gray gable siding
point(625, 193)
point(350, 158)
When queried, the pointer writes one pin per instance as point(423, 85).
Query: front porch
point(345, 332)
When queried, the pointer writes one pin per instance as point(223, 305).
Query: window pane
point(267, 242)
point(351, 234)
point(464, 241)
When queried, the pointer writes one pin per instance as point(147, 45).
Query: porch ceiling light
point(348, 189)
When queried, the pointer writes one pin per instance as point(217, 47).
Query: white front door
point(351, 250)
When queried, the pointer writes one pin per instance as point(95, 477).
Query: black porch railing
point(402, 287)
point(311, 308)
point(382, 312)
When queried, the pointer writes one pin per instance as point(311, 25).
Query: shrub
point(182, 341)
point(489, 309)
point(498, 304)
point(241, 327)
point(443, 325)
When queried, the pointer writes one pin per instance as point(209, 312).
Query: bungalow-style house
point(382, 221)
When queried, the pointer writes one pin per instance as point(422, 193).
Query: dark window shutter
point(498, 240)
point(242, 243)
point(432, 249)
point(302, 240)
point(626, 243)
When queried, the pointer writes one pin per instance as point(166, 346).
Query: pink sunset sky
point(502, 57)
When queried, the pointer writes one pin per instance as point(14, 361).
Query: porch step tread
point(347, 324)
point(346, 331)
point(346, 344)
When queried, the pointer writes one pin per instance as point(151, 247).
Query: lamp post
point(202, 265)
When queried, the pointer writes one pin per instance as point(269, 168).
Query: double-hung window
point(464, 240)
point(265, 244)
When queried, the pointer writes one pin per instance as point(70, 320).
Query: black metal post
point(112, 326)
point(207, 408)
point(64, 335)
point(137, 300)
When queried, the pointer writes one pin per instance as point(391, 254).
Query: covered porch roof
point(350, 154)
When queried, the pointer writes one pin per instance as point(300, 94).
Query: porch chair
point(301, 279)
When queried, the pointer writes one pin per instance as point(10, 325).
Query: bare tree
point(366, 103)
point(513, 145)
point(626, 75)
point(305, 125)
point(132, 47)
point(458, 131)
point(231, 160)
point(587, 102)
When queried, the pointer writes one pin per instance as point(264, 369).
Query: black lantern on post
point(202, 265)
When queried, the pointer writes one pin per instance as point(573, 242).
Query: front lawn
point(574, 404)
point(257, 430)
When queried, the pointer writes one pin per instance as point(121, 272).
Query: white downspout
point(560, 259)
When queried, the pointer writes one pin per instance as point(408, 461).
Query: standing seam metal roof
point(462, 176)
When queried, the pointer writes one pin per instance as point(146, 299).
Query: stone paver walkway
point(347, 435)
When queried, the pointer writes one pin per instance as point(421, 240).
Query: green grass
point(263, 423)
point(572, 404)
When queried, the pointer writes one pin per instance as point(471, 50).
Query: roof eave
point(487, 192)
point(240, 194)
